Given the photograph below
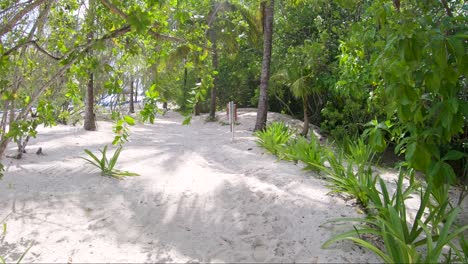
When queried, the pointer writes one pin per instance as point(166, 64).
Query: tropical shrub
point(354, 179)
point(107, 165)
point(357, 150)
point(308, 152)
point(274, 138)
point(403, 238)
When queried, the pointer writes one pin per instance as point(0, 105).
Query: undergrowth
point(430, 236)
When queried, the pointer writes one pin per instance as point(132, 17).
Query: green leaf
point(24, 254)
point(187, 120)
point(114, 158)
point(129, 120)
point(92, 156)
point(418, 155)
point(454, 155)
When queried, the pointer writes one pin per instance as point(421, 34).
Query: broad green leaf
point(129, 120)
point(454, 155)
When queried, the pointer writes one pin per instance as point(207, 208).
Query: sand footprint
point(261, 252)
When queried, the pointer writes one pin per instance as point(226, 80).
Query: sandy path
point(200, 198)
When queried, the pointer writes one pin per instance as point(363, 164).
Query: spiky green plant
point(2, 236)
point(107, 165)
point(274, 137)
point(2, 169)
point(308, 152)
point(404, 237)
point(357, 150)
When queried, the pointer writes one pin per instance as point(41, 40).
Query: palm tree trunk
point(90, 117)
point(215, 67)
point(184, 95)
point(132, 106)
point(136, 91)
point(265, 76)
point(305, 127)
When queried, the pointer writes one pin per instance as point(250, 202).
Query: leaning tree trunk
point(215, 67)
point(132, 106)
point(305, 105)
point(265, 76)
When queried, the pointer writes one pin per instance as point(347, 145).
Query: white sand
point(200, 198)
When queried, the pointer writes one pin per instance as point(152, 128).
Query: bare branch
point(114, 9)
point(11, 24)
point(35, 44)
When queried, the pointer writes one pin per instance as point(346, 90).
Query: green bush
point(403, 237)
point(357, 150)
point(308, 152)
point(353, 179)
point(274, 138)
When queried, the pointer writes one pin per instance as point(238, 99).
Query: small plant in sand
point(107, 166)
point(274, 137)
point(435, 232)
point(2, 237)
point(308, 152)
point(2, 169)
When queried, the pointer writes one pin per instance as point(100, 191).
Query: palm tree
point(268, 12)
point(300, 75)
point(215, 35)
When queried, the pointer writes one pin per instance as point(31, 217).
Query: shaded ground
point(200, 198)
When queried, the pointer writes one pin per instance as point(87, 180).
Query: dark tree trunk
point(136, 92)
point(215, 67)
point(184, 98)
point(90, 117)
point(265, 76)
point(197, 109)
point(132, 107)
point(305, 127)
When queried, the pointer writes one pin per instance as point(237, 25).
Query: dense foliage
point(388, 74)
point(395, 237)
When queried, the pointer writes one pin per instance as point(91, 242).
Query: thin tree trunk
point(215, 67)
point(305, 127)
point(197, 109)
point(90, 117)
point(9, 25)
point(132, 107)
point(184, 108)
point(265, 76)
point(136, 92)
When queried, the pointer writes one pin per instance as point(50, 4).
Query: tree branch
point(114, 9)
point(35, 44)
point(9, 25)
point(448, 11)
point(113, 34)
